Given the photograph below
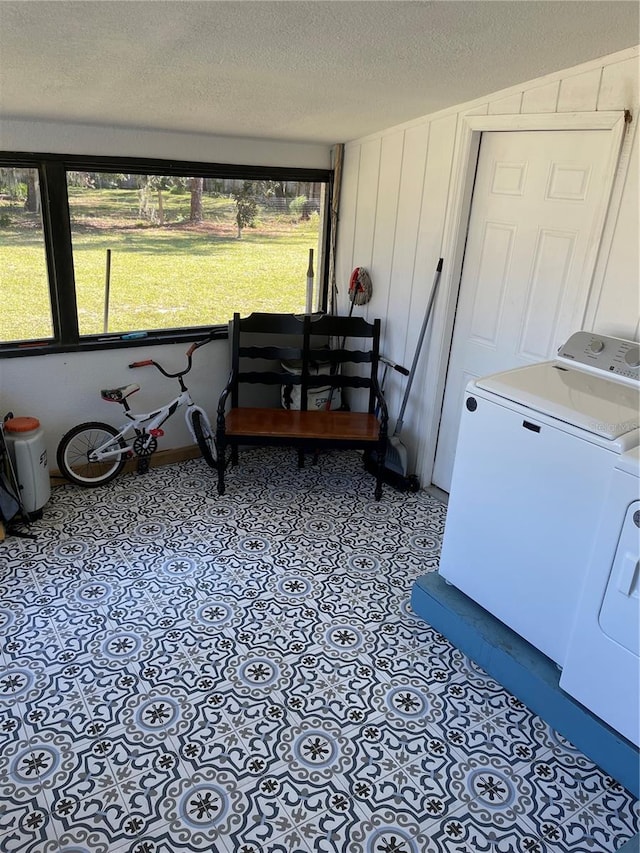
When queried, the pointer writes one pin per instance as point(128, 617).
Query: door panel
point(528, 262)
point(551, 266)
point(492, 282)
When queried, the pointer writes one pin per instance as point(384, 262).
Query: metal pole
point(107, 285)
point(414, 366)
point(309, 304)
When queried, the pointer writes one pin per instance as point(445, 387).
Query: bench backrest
point(261, 342)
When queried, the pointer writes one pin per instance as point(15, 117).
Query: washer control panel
point(611, 355)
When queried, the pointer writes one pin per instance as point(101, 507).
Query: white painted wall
point(48, 137)
point(399, 189)
point(63, 390)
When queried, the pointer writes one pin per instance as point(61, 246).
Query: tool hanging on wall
point(360, 288)
point(360, 292)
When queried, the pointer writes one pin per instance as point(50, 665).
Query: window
point(23, 260)
point(154, 247)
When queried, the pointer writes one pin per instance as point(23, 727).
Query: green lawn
point(94, 205)
point(174, 275)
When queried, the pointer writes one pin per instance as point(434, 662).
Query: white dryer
point(535, 452)
point(602, 666)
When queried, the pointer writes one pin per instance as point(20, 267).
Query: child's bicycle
point(94, 453)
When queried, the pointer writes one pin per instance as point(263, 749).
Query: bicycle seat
point(119, 395)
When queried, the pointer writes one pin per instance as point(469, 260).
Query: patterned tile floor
point(244, 674)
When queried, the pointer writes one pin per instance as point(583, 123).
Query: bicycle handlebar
point(149, 361)
point(197, 344)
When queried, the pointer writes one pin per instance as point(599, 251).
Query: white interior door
point(534, 229)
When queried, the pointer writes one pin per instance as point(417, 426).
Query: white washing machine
point(602, 665)
point(536, 449)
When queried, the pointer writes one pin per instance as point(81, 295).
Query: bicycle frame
point(148, 422)
point(95, 452)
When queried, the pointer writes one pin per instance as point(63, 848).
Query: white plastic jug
point(26, 446)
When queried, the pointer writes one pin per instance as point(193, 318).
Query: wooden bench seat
point(261, 345)
point(319, 426)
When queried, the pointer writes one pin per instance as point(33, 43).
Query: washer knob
point(632, 357)
point(596, 345)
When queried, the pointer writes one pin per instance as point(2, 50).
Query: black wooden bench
point(260, 344)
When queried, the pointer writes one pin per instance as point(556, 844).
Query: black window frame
point(56, 223)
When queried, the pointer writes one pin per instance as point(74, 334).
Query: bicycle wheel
point(75, 447)
point(204, 436)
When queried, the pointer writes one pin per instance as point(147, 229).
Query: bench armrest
point(222, 399)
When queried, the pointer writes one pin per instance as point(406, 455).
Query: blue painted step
point(631, 846)
point(527, 673)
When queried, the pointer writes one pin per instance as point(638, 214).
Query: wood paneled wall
point(398, 190)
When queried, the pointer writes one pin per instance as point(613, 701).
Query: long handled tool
point(360, 292)
point(396, 459)
point(388, 364)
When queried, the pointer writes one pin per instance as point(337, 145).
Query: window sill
point(111, 342)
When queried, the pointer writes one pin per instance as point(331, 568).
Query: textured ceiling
point(304, 71)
